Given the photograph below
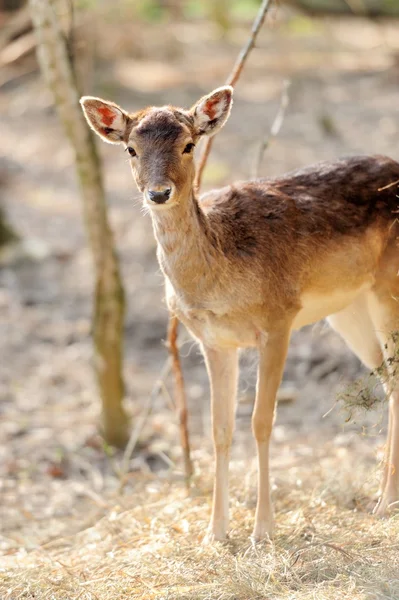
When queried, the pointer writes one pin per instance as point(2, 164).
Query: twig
point(180, 395)
point(297, 553)
point(275, 128)
point(134, 436)
point(388, 186)
point(233, 78)
point(17, 49)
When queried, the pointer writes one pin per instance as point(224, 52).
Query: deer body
point(246, 264)
point(230, 283)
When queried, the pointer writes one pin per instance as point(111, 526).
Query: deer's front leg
point(272, 353)
point(222, 366)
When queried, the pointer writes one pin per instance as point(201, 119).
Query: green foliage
point(245, 9)
point(150, 10)
point(109, 450)
point(302, 25)
point(157, 10)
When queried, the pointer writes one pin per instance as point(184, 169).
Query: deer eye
point(131, 151)
point(188, 148)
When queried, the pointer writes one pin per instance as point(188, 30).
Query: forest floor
point(72, 524)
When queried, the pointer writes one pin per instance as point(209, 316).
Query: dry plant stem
point(141, 421)
point(275, 128)
point(180, 395)
point(233, 78)
point(109, 295)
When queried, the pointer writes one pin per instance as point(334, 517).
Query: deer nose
point(160, 196)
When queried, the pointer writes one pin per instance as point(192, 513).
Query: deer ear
point(212, 111)
point(105, 118)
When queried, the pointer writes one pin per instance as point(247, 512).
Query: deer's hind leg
point(367, 326)
point(355, 326)
point(384, 311)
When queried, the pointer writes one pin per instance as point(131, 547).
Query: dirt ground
point(56, 477)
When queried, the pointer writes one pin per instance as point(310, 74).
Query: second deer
point(246, 264)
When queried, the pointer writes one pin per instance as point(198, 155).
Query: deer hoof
point(215, 534)
point(263, 531)
point(386, 506)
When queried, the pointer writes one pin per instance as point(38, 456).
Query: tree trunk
point(7, 235)
point(53, 56)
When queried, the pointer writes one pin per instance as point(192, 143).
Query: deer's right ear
point(212, 111)
point(107, 119)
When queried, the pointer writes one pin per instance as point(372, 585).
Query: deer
point(247, 264)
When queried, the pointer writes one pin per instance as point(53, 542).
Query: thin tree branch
point(141, 421)
point(274, 130)
point(233, 78)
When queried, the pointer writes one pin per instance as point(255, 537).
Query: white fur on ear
point(212, 111)
point(107, 119)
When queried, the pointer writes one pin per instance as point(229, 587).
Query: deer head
point(160, 141)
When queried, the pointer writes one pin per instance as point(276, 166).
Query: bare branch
point(141, 421)
point(275, 128)
point(233, 78)
point(172, 363)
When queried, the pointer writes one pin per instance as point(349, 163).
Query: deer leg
point(355, 325)
point(222, 366)
point(384, 310)
point(390, 481)
point(272, 353)
point(385, 314)
point(387, 459)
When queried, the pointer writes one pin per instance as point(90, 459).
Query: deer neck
point(187, 251)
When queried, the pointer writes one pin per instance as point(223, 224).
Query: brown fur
point(267, 242)
point(246, 264)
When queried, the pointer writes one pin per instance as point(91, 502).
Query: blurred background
point(342, 59)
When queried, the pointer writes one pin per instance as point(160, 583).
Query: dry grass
point(367, 392)
point(326, 545)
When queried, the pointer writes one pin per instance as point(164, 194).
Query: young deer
point(247, 264)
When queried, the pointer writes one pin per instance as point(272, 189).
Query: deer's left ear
point(107, 119)
point(212, 111)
